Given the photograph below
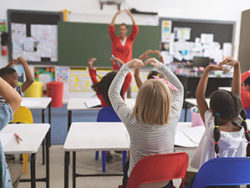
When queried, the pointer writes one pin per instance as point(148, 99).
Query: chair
point(158, 168)
point(107, 114)
point(248, 113)
point(23, 115)
point(223, 171)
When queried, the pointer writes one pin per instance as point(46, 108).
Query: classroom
point(124, 93)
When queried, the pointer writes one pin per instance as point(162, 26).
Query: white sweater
point(147, 139)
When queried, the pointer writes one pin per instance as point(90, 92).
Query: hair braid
point(243, 114)
point(216, 135)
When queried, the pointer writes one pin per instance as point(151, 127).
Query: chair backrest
point(223, 171)
point(158, 168)
point(23, 115)
point(248, 113)
point(107, 114)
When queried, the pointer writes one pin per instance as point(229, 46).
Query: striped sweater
point(147, 139)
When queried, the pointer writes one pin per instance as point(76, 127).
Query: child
point(151, 73)
point(13, 100)
point(101, 88)
point(245, 93)
point(224, 135)
point(10, 75)
point(152, 123)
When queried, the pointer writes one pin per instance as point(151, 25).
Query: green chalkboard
point(77, 42)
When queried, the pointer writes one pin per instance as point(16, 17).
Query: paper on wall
point(166, 30)
point(183, 33)
point(227, 49)
point(207, 38)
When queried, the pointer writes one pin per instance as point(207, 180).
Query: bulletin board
point(34, 35)
point(183, 39)
point(223, 30)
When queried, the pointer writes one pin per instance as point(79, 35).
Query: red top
point(118, 50)
point(127, 81)
point(245, 95)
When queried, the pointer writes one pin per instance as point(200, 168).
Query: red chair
point(158, 168)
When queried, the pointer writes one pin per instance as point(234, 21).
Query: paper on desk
point(182, 140)
point(5, 138)
point(193, 133)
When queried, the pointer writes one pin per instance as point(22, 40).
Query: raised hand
point(91, 62)
point(154, 62)
point(135, 63)
point(229, 61)
point(216, 67)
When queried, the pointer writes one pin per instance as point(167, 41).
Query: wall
point(89, 11)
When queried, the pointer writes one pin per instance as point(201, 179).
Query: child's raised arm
point(92, 71)
point(236, 82)
point(201, 89)
point(170, 76)
point(10, 95)
point(114, 90)
point(29, 77)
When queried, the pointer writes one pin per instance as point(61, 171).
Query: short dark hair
point(6, 71)
point(124, 25)
point(151, 74)
point(102, 87)
point(247, 81)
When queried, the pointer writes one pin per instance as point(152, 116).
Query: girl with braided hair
point(225, 121)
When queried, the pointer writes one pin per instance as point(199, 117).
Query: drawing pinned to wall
point(78, 80)
point(45, 75)
point(166, 30)
point(62, 74)
point(2, 26)
point(182, 33)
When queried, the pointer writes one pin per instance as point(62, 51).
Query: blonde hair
point(153, 102)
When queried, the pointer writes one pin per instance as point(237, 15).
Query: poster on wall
point(45, 75)
point(36, 44)
point(166, 31)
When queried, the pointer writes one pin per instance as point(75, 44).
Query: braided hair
point(243, 115)
point(225, 106)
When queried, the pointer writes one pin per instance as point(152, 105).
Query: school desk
point(41, 103)
point(92, 103)
point(32, 136)
point(93, 136)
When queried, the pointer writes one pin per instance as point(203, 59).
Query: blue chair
point(223, 171)
point(107, 114)
point(248, 113)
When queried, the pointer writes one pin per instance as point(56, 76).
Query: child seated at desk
point(101, 88)
point(151, 124)
point(225, 120)
point(151, 74)
point(10, 75)
point(7, 108)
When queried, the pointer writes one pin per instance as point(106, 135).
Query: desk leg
point(47, 160)
point(74, 170)
point(49, 114)
point(66, 169)
point(43, 144)
point(185, 117)
point(33, 170)
point(69, 118)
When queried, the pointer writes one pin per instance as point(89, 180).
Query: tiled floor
point(85, 164)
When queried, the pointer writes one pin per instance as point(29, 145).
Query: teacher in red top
point(122, 45)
